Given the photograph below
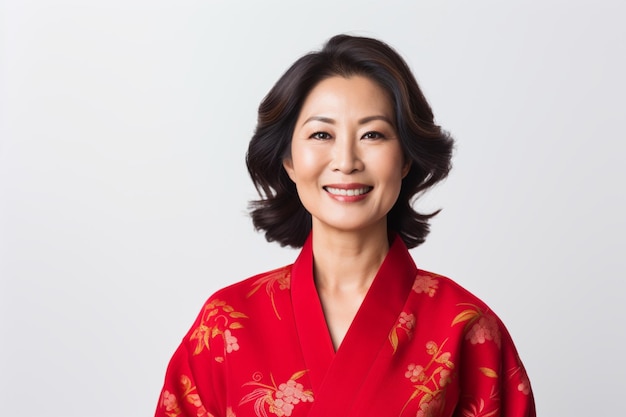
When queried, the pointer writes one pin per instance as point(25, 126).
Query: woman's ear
point(288, 165)
point(406, 168)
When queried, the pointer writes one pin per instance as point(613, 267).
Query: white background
point(123, 188)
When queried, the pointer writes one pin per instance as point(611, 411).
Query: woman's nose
point(346, 157)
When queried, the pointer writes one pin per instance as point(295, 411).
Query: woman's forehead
point(356, 97)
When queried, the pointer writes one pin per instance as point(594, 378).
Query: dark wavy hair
point(426, 145)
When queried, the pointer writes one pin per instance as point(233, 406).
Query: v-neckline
point(369, 329)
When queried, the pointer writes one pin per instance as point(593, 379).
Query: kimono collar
point(369, 330)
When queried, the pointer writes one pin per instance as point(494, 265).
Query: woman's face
point(346, 159)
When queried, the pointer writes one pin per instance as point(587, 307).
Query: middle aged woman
point(344, 141)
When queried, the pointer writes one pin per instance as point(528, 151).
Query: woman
point(344, 141)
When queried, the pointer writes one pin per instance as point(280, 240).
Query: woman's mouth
point(349, 192)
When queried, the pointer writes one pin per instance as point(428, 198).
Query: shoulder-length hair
point(279, 212)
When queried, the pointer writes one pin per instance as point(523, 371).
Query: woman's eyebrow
point(361, 121)
point(320, 119)
point(372, 118)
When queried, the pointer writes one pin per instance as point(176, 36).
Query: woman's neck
point(348, 261)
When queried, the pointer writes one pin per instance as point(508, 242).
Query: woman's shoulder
point(265, 282)
point(458, 307)
point(443, 289)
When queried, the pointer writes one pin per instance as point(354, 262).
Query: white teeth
point(350, 192)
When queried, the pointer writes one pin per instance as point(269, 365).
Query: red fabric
point(420, 345)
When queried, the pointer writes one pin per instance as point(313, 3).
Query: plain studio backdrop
point(123, 188)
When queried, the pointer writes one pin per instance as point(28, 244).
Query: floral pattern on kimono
point(420, 345)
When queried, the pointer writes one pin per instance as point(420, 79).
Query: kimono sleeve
point(189, 387)
point(493, 379)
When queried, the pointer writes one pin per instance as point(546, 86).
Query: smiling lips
point(348, 192)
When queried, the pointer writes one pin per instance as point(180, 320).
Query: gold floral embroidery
point(279, 400)
point(426, 283)
point(430, 380)
point(479, 326)
point(189, 393)
point(218, 319)
point(488, 372)
point(406, 323)
point(479, 409)
point(281, 276)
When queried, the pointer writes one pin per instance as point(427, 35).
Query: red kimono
point(420, 345)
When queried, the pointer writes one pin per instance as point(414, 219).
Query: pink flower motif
point(281, 408)
point(407, 320)
point(194, 399)
point(444, 377)
point(287, 395)
point(485, 329)
point(425, 284)
point(524, 385)
point(169, 401)
point(280, 400)
point(414, 372)
point(431, 348)
point(231, 342)
point(431, 408)
point(292, 392)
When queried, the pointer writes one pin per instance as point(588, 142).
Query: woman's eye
point(320, 135)
point(373, 135)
